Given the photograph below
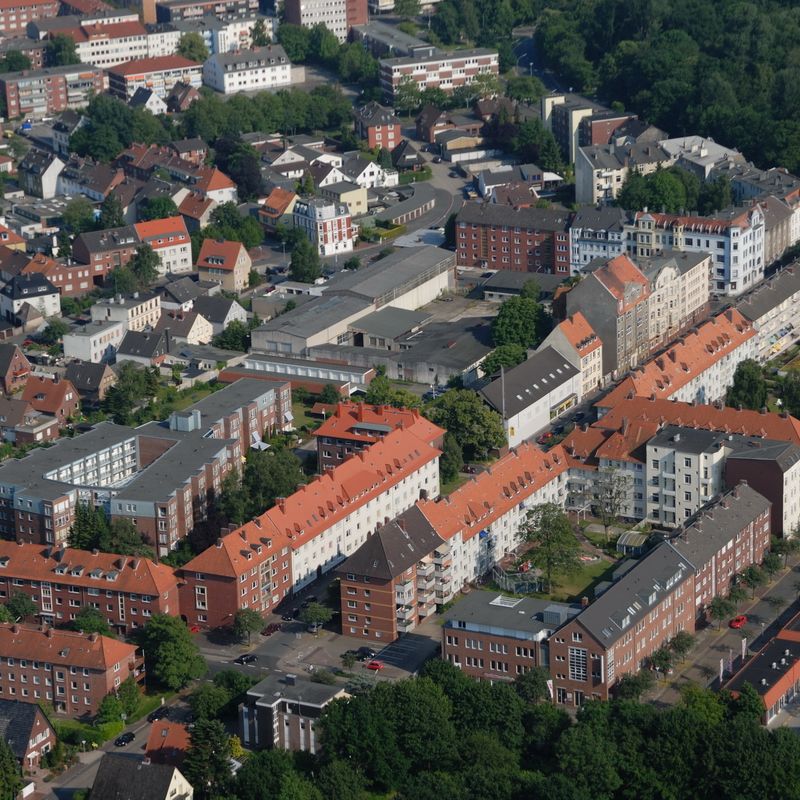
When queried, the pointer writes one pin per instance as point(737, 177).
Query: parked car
point(159, 713)
point(545, 438)
point(124, 740)
point(288, 616)
point(738, 622)
point(273, 627)
point(246, 660)
point(437, 159)
point(375, 665)
point(579, 416)
point(365, 653)
point(314, 627)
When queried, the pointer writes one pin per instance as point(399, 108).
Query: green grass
point(450, 486)
point(301, 416)
point(424, 174)
point(190, 396)
point(575, 586)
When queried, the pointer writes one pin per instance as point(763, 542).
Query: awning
point(288, 416)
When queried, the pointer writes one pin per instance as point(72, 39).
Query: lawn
point(450, 486)
point(301, 417)
point(189, 396)
point(572, 587)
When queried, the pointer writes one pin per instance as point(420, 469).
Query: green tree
point(208, 700)
point(381, 392)
point(452, 459)
point(120, 536)
point(91, 620)
point(110, 709)
point(145, 265)
point(232, 502)
point(55, 330)
point(6, 616)
point(171, 656)
point(157, 208)
point(681, 643)
point(556, 550)
point(531, 686)
point(406, 8)
point(206, 765)
point(353, 263)
point(609, 496)
point(633, 685)
point(258, 34)
point(10, 777)
point(772, 564)
point(749, 388)
point(329, 394)
point(296, 42)
point(193, 47)
point(339, 780)
point(476, 427)
point(60, 51)
point(525, 88)
point(111, 213)
point(236, 336)
point(720, 608)
point(246, 622)
point(87, 526)
point(521, 321)
point(785, 547)
point(323, 45)
point(316, 614)
point(21, 607)
point(737, 594)
point(123, 281)
point(753, 577)
point(305, 265)
point(15, 61)
point(662, 660)
point(64, 244)
point(130, 696)
point(78, 215)
point(407, 95)
point(506, 355)
point(233, 681)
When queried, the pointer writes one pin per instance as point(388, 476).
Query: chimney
point(92, 637)
point(401, 523)
point(15, 628)
point(49, 633)
point(281, 503)
point(584, 601)
point(290, 680)
point(219, 542)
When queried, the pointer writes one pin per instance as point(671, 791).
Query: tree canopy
point(521, 321)
point(556, 547)
point(749, 388)
point(476, 428)
point(193, 47)
point(171, 656)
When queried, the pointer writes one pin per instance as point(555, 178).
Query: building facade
point(44, 92)
point(328, 225)
point(248, 70)
point(337, 15)
point(157, 74)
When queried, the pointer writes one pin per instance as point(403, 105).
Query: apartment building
point(28, 293)
point(520, 239)
point(28, 731)
point(733, 237)
point(248, 70)
point(595, 233)
point(135, 312)
point(96, 342)
point(328, 225)
point(52, 395)
point(170, 240)
point(71, 671)
point(492, 637)
point(388, 584)
point(16, 14)
point(61, 580)
point(108, 45)
point(445, 71)
point(225, 263)
point(157, 74)
point(175, 10)
point(377, 125)
point(105, 250)
point(338, 16)
point(44, 92)
point(576, 341)
point(14, 368)
point(351, 427)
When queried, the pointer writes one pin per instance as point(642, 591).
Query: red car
point(545, 438)
point(273, 627)
point(374, 665)
point(738, 622)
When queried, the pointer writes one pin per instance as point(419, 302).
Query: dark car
point(365, 653)
point(579, 416)
point(124, 740)
point(246, 660)
point(287, 617)
point(159, 713)
point(273, 627)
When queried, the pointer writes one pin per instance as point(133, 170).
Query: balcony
point(425, 568)
point(443, 582)
point(424, 583)
point(427, 609)
point(444, 595)
point(425, 595)
point(405, 625)
point(406, 612)
point(403, 583)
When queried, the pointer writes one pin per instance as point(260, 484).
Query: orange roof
point(194, 205)
point(219, 254)
point(44, 264)
point(619, 272)
point(141, 66)
point(116, 30)
point(491, 494)
point(691, 355)
point(167, 742)
point(48, 396)
point(277, 202)
point(780, 427)
point(83, 568)
point(623, 444)
point(580, 334)
point(8, 237)
point(160, 233)
point(211, 179)
point(70, 648)
point(697, 223)
point(348, 418)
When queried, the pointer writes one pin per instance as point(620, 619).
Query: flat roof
point(759, 671)
point(317, 315)
point(275, 687)
point(390, 322)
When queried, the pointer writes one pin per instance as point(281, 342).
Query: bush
point(323, 676)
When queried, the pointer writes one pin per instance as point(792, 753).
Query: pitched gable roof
point(219, 254)
point(128, 777)
point(16, 724)
point(48, 395)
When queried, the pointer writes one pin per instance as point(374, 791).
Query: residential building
point(281, 711)
point(32, 290)
point(700, 155)
point(277, 209)
point(170, 240)
point(105, 250)
point(248, 70)
point(522, 239)
point(16, 14)
point(351, 427)
point(405, 157)
point(92, 381)
point(69, 670)
point(96, 342)
point(106, 45)
point(71, 280)
point(387, 585)
point(27, 731)
point(531, 395)
point(614, 300)
point(219, 311)
point(368, 174)
point(225, 263)
point(347, 193)
point(595, 233)
point(575, 341)
point(176, 10)
point(54, 396)
point(158, 74)
point(181, 97)
point(44, 92)
point(491, 637)
point(135, 312)
point(139, 779)
point(38, 173)
point(148, 100)
point(445, 71)
point(377, 125)
point(734, 237)
point(148, 348)
point(21, 423)
point(14, 368)
point(562, 114)
point(778, 227)
point(327, 225)
point(382, 39)
point(338, 16)
point(168, 742)
point(187, 327)
point(68, 122)
point(196, 210)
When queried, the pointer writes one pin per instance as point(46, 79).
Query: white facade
point(105, 50)
point(328, 225)
point(134, 312)
point(49, 305)
point(248, 70)
point(163, 42)
point(585, 245)
point(370, 175)
point(331, 13)
point(96, 342)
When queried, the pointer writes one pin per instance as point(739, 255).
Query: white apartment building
point(170, 240)
point(163, 40)
point(575, 340)
point(136, 312)
point(248, 70)
point(328, 225)
point(734, 238)
point(109, 45)
point(96, 342)
point(595, 233)
point(333, 14)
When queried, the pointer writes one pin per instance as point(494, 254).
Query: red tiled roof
point(116, 30)
point(140, 66)
point(167, 742)
point(211, 179)
point(491, 494)
point(224, 253)
point(617, 273)
point(580, 334)
point(7, 236)
point(697, 223)
point(277, 202)
point(157, 232)
point(49, 645)
point(194, 205)
point(54, 393)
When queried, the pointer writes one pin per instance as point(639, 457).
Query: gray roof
point(513, 281)
point(276, 687)
point(214, 309)
point(140, 97)
point(784, 454)
point(128, 777)
point(605, 218)
point(85, 376)
point(687, 440)
point(455, 345)
point(252, 59)
point(143, 344)
point(682, 261)
point(33, 284)
point(423, 193)
point(542, 219)
point(111, 239)
point(518, 617)
point(7, 352)
point(316, 315)
point(231, 398)
point(632, 597)
point(717, 523)
point(390, 322)
point(394, 547)
point(374, 113)
point(438, 56)
point(340, 187)
point(770, 293)
point(181, 290)
point(47, 71)
point(610, 156)
point(529, 382)
point(16, 724)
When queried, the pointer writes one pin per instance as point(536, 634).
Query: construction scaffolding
point(524, 581)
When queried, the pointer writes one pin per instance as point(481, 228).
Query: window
point(577, 664)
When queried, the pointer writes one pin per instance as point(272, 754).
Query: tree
point(85, 531)
point(258, 34)
point(749, 388)
point(120, 536)
point(54, 332)
point(60, 51)
point(720, 608)
point(681, 643)
point(525, 88)
point(737, 594)
point(110, 709)
point(130, 696)
point(305, 265)
point(5, 615)
point(753, 577)
point(64, 244)
point(521, 321)
point(208, 700)
point(610, 491)
point(145, 265)
point(475, 427)
point(206, 764)
point(123, 281)
point(339, 780)
point(323, 44)
point(407, 95)
point(507, 356)
point(10, 777)
point(232, 502)
point(236, 336)
point(785, 547)
point(157, 208)
point(91, 620)
point(556, 547)
point(406, 8)
point(329, 394)
point(772, 563)
point(233, 682)
point(172, 658)
point(79, 215)
point(269, 474)
point(662, 660)
point(316, 614)
point(634, 684)
point(246, 622)
point(452, 460)
point(193, 47)
point(352, 263)
point(21, 607)
point(111, 213)
point(295, 40)
point(15, 61)
point(381, 392)
point(531, 686)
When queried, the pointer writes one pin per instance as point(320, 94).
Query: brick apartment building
point(16, 14)
point(492, 236)
point(353, 426)
point(158, 74)
point(496, 638)
point(126, 590)
point(105, 250)
point(14, 369)
point(44, 92)
point(71, 671)
point(377, 125)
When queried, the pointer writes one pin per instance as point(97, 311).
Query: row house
point(595, 233)
point(170, 240)
point(60, 581)
point(576, 341)
point(733, 237)
point(104, 251)
point(522, 239)
point(157, 74)
point(68, 670)
point(71, 280)
point(351, 427)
